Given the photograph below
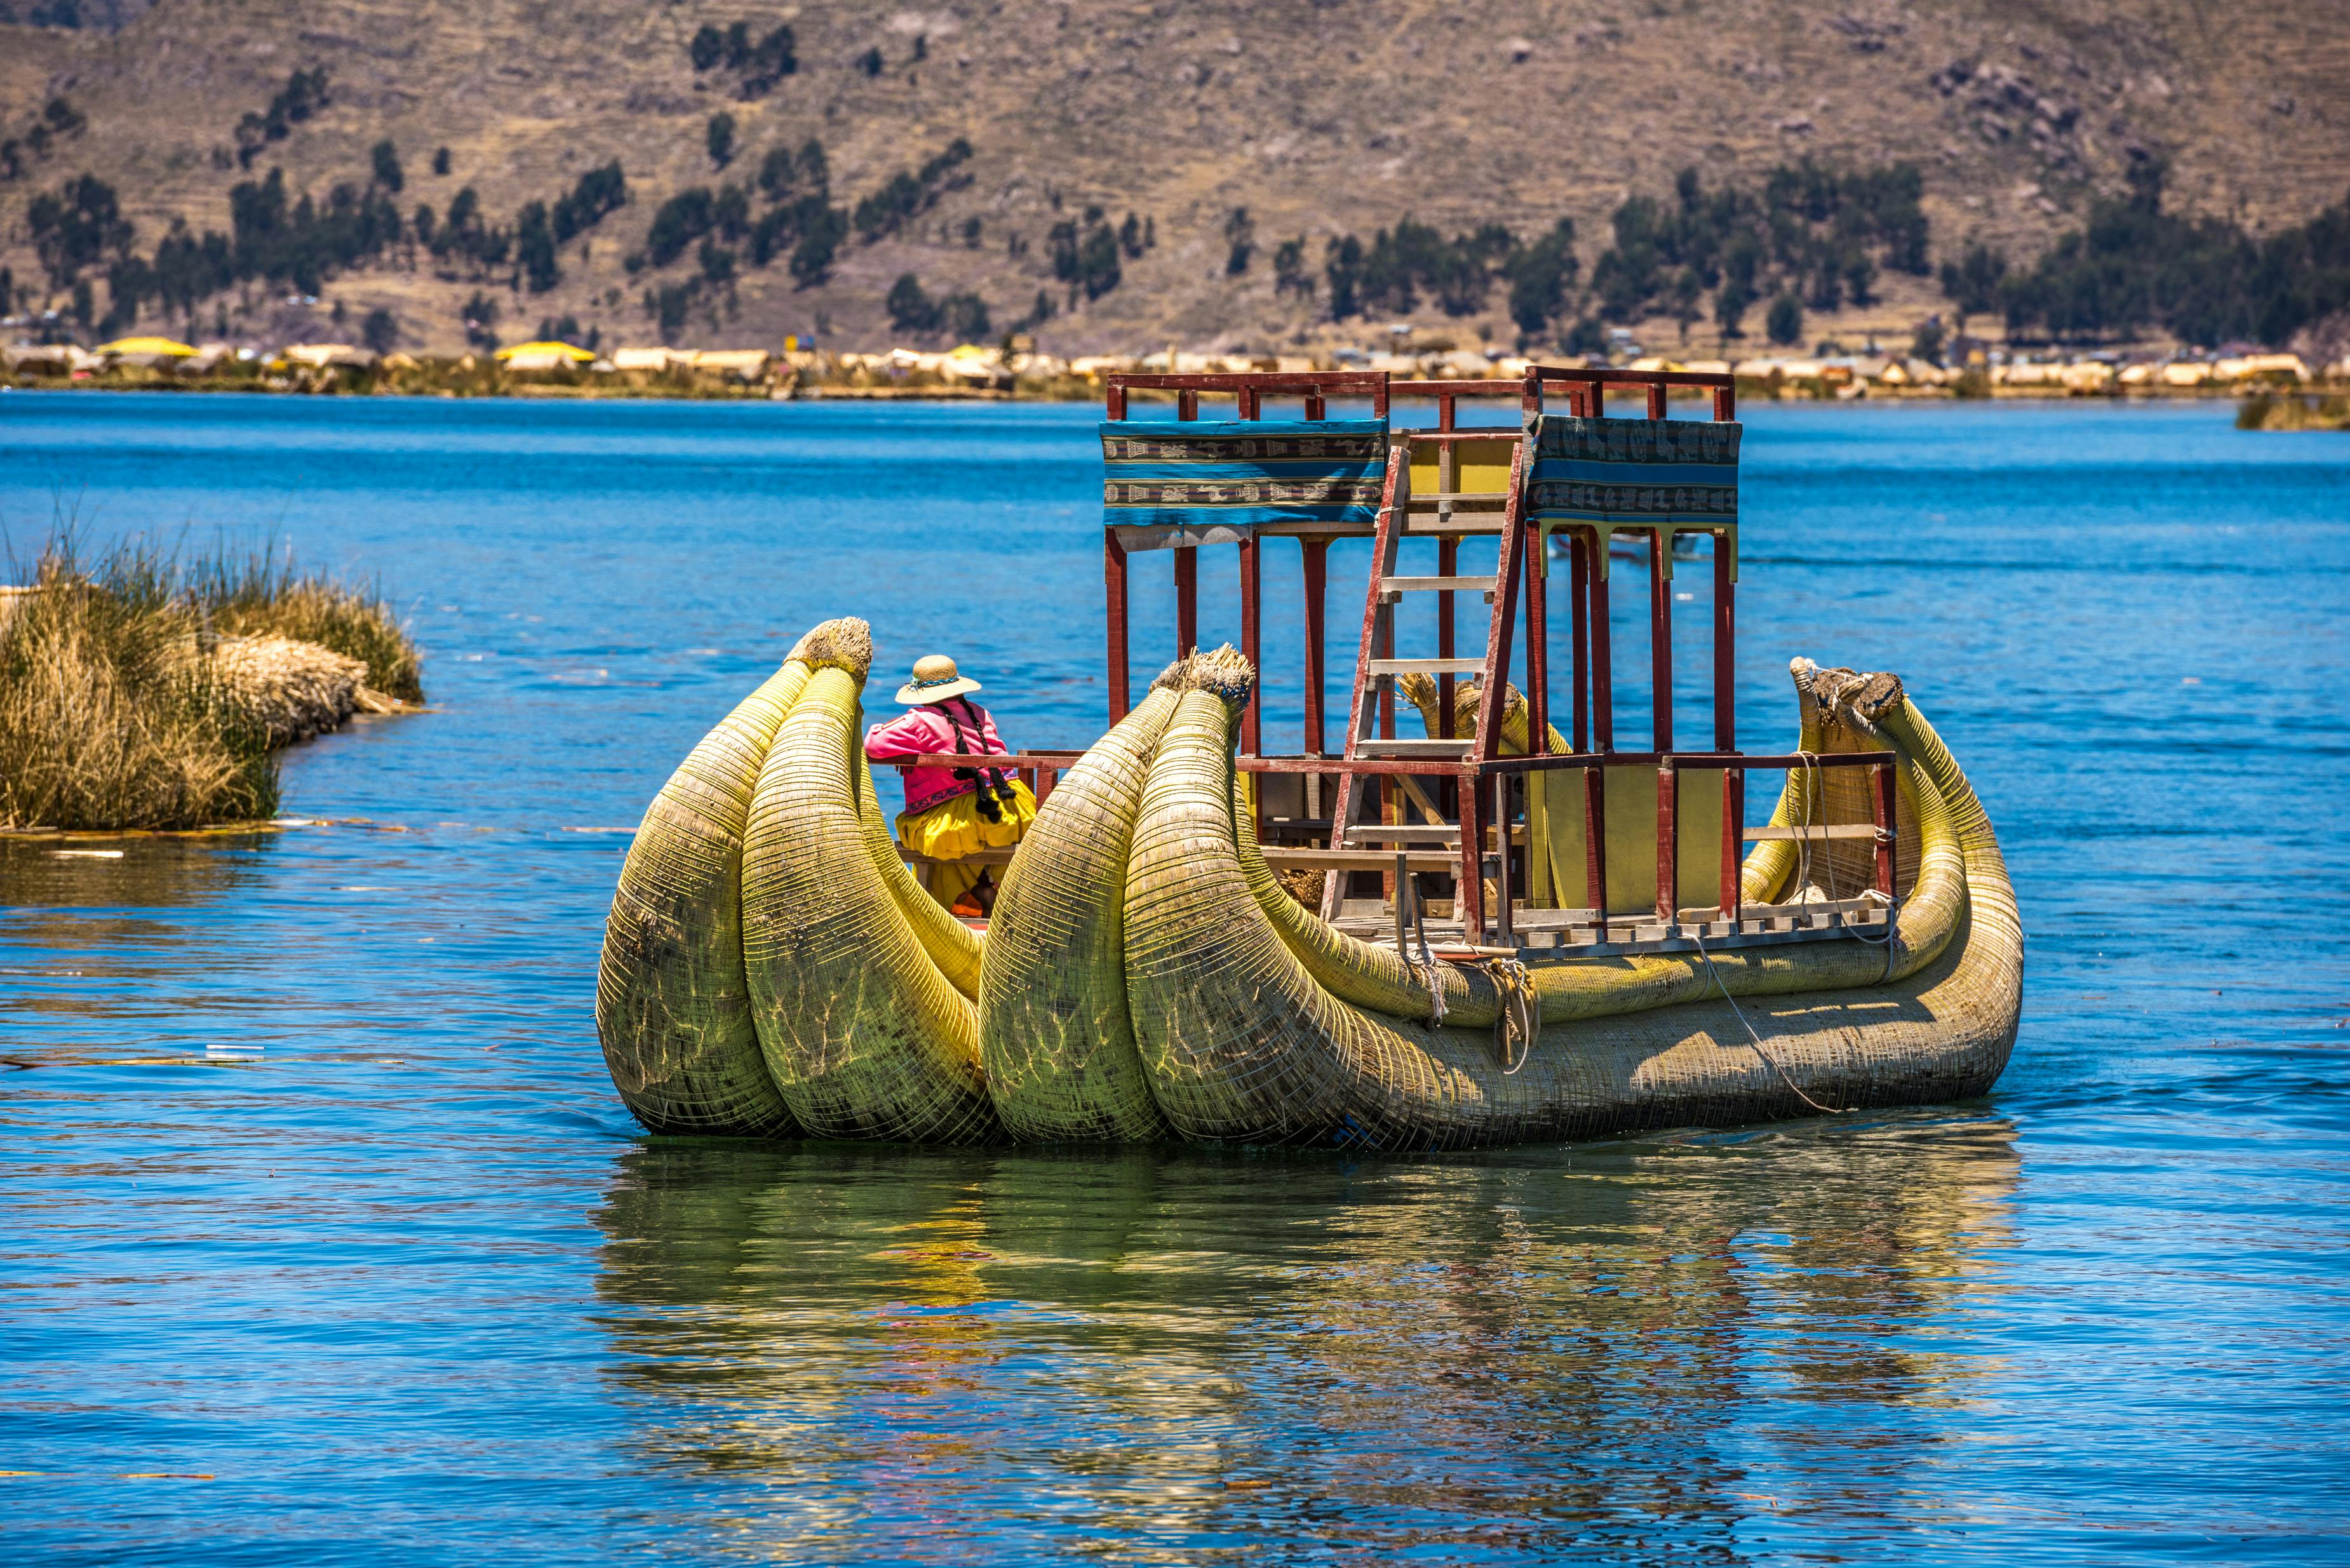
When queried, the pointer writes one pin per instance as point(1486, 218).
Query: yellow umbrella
point(147, 346)
point(550, 350)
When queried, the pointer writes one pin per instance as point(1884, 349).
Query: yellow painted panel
point(1630, 795)
point(1484, 466)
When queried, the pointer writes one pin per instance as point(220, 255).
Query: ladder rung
point(1402, 833)
point(1413, 746)
point(1436, 586)
point(1424, 666)
point(1357, 860)
point(1430, 527)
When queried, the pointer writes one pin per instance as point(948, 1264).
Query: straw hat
point(936, 679)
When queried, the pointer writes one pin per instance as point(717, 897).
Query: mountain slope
point(1337, 117)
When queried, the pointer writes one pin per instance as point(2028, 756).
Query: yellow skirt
point(953, 829)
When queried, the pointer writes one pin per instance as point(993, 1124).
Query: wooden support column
point(1317, 571)
point(1660, 638)
point(1537, 645)
point(1725, 647)
point(1603, 669)
point(1251, 645)
point(1882, 802)
point(1669, 833)
point(1114, 586)
point(1468, 894)
point(1595, 844)
point(1579, 616)
point(1187, 599)
point(1448, 565)
point(1733, 837)
point(1657, 399)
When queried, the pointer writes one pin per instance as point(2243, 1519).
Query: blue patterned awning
point(1206, 479)
point(1667, 475)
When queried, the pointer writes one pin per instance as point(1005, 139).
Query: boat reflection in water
point(1668, 1338)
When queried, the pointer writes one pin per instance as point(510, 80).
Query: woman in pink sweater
point(951, 813)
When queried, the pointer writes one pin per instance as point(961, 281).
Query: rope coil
point(1519, 1022)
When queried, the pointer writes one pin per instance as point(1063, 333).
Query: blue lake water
point(324, 1237)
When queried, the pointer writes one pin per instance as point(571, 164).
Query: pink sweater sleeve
point(915, 733)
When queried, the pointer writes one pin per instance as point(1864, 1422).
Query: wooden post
point(1579, 617)
point(1252, 647)
point(1468, 894)
point(1113, 585)
point(1595, 844)
point(1660, 638)
point(1656, 400)
point(1883, 800)
point(1733, 839)
point(1537, 646)
point(1668, 830)
point(1187, 599)
point(1725, 648)
point(1603, 672)
point(1114, 404)
point(1317, 576)
point(1507, 568)
point(1187, 404)
point(1504, 921)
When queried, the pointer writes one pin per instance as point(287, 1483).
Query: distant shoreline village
point(1014, 370)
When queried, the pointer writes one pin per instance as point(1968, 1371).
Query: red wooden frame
point(1465, 785)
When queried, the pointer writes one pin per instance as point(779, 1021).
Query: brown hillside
point(1334, 115)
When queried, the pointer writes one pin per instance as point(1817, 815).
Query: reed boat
point(1487, 930)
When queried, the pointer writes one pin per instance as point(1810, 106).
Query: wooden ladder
point(1421, 767)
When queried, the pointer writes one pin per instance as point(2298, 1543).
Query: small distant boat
point(1489, 932)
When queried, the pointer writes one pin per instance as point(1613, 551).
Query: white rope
point(1697, 933)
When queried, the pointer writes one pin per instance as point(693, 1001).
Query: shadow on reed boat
point(1451, 939)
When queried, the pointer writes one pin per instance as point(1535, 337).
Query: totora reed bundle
point(770, 968)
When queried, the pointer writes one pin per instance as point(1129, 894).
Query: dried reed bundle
point(861, 1029)
point(672, 1004)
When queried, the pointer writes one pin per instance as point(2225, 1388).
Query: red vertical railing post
point(1114, 591)
point(1537, 644)
point(1252, 647)
point(1187, 599)
point(1725, 647)
point(1579, 628)
point(1660, 637)
point(1656, 400)
point(1448, 565)
point(1595, 844)
point(1883, 800)
point(1603, 670)
point(1187, 404)
point(1669, 833)
point(1316, 572)
point(1468, 894)
point(1733, 838)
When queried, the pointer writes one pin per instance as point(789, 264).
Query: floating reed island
point(142, 692)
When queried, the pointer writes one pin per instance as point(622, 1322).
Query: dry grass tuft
point(123, 706)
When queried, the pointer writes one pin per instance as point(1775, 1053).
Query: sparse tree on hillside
point(380, 330)
point(480, 316)
point(1240, 237)
point(910, 307)
point(1289, 275)
point(441, 160)
point(387, 165)
point(720, 138)
point(1784, 322)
